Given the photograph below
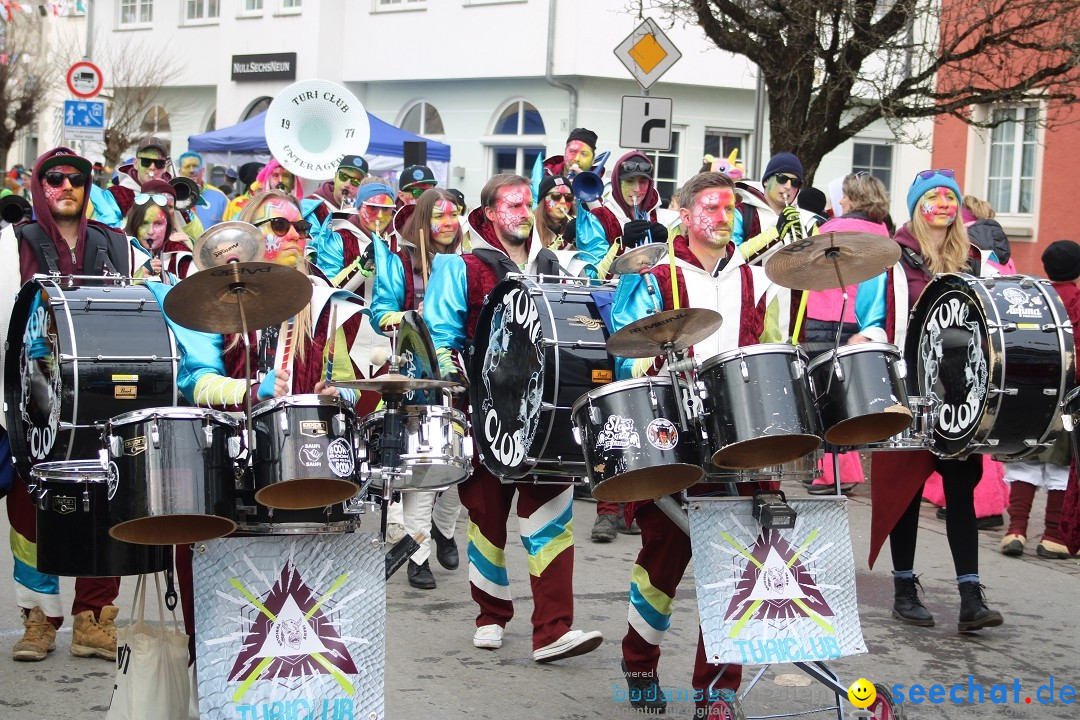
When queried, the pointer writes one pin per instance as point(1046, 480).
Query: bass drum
point(538, 347)
point(983, 349)
point(79, 355)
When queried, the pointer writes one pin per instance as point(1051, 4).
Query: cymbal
point(651, 335)
point(208, 300)
point(811, 264)
point(226, 242)
point(394, 384)
point(637, 259)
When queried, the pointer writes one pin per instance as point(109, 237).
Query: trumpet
point(187, 192)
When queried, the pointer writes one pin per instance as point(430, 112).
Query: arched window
point(422, 119)
point(155, 121)
point(256, 107)
point(517, 138)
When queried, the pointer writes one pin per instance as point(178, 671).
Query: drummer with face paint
point(432, 228)
point(934, 241)
point(709, 273)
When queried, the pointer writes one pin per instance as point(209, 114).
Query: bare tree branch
point(27, 77)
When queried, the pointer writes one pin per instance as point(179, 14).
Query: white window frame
point(423, 118)
point(203, 20)
point(290, 9)
point(243, 11)
point(519, 141)
point(138, 24)
point(1016, 177)
point(744, 152)
point(470, 3)
point(389, 6)
point(892, 160)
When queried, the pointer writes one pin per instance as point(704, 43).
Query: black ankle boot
point(974, 615)
point(644, 691)
point(907, 607)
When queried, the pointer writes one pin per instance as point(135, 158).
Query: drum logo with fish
point(515, 350)
point(958, 388)
point(41, 383)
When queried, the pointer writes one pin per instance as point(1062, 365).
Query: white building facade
point(469, 73)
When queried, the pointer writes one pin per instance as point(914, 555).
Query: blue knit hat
point(370, 190)
point(783, 162)
point(924, 184)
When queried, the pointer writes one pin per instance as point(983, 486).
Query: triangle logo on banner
point(776, 583)
point(291, 636)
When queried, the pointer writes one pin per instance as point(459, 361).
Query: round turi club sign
point(85, 80)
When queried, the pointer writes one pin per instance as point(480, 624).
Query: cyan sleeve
point(737, 235)
point(633, 301)
point(200, 353)
point(871, 304)
point(591, 238)
point(446, 318)
point(330, 251)
point(389, 293)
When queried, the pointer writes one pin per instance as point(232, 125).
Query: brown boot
point(39, 638)
point(95, 638)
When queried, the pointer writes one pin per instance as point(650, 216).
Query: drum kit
point(114, 459)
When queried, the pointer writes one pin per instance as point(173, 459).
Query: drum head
point(648, 483)
point(949, 352)
point(871, 428)
point(507, 375)
point(172, 529)
point(765, 451)
point(418, 360)
point(305, 493)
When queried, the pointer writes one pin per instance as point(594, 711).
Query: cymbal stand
point(672, 358)
point(833, 254)
point(238, 290)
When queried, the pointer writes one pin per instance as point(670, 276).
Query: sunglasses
point(159, 199)
point(560, 197)
point(782, 179)
point(147, 162)
point(280, 226)
point(55, 178)
point(354, 181)
point(631, 166)
point(927, 174)
point(416, 192)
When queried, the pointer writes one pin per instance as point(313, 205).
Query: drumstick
point(423, 256)
point(331, 332)
point(286, 350)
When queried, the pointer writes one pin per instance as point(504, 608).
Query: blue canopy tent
point(246, 141)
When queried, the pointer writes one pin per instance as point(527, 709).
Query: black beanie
point(783, 162)
point(584, 135)
point(551, 181)
point(1061, 260)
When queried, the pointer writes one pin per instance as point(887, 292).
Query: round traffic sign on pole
point(85, 80)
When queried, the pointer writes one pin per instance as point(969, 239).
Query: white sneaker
point(488, 637)
point(573, 643)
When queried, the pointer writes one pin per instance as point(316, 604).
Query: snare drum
point(305, 452)
point(253, 518)
point(73, 506)
point(538, 347)
point(919, 435)
point(758, 407)
point(436, 449)
point(79, 355)
point(633, 445)
point(175, 475)
point(859, 391)
point(985, 350)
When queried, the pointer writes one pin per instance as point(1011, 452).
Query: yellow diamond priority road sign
point(647, 53)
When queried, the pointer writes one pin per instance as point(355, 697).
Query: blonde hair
point(981, 209)
point(867, 194)
point(302, 329)
point(951, 255)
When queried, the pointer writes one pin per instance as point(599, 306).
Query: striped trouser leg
point(546, 525)
point(488, 501)
point(32, 588)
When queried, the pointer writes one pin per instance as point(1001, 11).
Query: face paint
point(939, 207)
point(189, 167)
point(145, 174)
point(151, 232)
point(343, 187)
point(711, 218)
point(512, 218)
point(559, 203)
point(444, 223)
point(375, 218)
point(65, 202)
point(634, 189)
point(280, 178)
point(579, 154)
point(286, 250)
point(780, 194)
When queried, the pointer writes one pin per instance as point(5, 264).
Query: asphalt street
point(433, 671)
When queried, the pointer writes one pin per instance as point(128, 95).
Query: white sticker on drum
point(662, 434)
point(619, 433)
point(113, 479)
point(340, 458)
point(1019, 302)
point(311, 455)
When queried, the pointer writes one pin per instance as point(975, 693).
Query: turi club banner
point(775, 596)
point(290, 626)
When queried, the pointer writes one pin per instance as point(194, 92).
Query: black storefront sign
point(274, 66)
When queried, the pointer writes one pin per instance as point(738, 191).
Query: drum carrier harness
point(100, 251)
